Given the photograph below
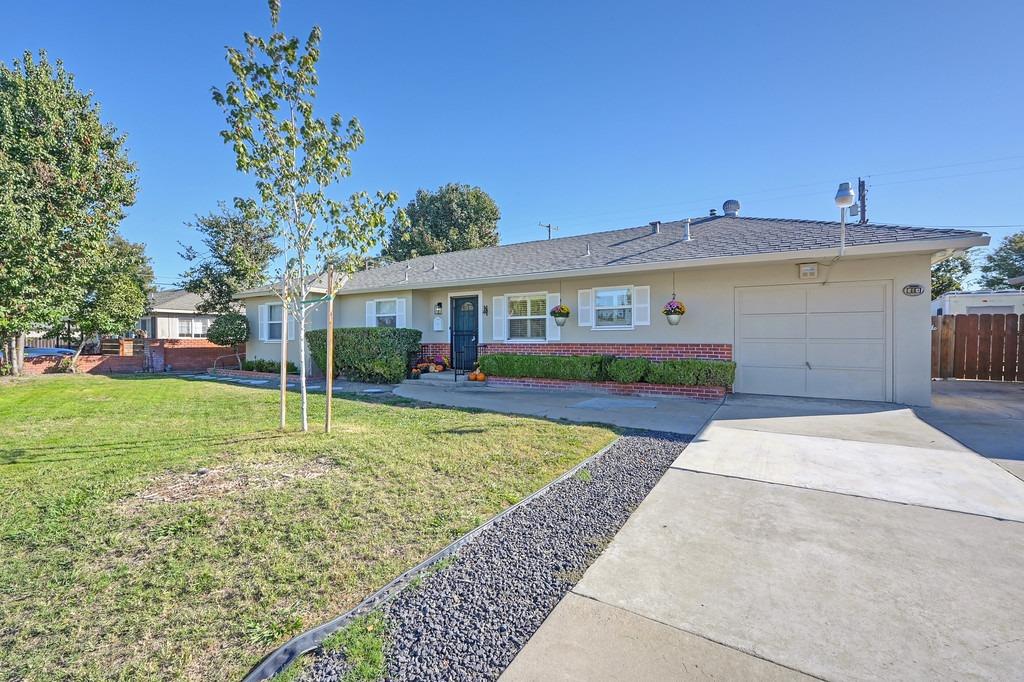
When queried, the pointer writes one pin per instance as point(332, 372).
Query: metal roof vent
point(731, 207)
point(712, 213)
point(655, 227)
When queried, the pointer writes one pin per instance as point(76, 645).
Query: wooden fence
point(987, 347)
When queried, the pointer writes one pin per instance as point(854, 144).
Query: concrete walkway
point(800, 537)
point(675, 415)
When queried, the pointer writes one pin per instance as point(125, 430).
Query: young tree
point(949, 275)
point(297, 160)
point(454, 218)
point(1004, 263)
point(65, 180)
point(116, 292)
point(230, 329)
point(239, 246)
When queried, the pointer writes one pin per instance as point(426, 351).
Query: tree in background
point(239, 246)
point(230, 329)
point(1005, 262)
point(65, 180)
point(454, 218)
point(949, 275)
point(116, 293)
point(298, 159)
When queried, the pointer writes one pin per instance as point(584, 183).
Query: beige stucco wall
point(271, 350)
point(709, 295)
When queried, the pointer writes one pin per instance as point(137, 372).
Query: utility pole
point(329, 369)
point(550, 228)
point(862, 197)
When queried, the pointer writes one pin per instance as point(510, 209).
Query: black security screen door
point(465, 330)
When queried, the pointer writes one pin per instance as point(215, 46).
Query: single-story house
point(172, 314)
point(1005, 301)
point(801, 314)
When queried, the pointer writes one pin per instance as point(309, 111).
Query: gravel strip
point(470, 619)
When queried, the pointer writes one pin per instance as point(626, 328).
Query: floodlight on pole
point(844, 199)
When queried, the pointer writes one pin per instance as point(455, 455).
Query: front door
point(465, 328)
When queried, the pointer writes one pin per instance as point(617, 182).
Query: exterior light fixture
point(844, 199)
point(438, 308)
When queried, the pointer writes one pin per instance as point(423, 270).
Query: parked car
point(47, 352)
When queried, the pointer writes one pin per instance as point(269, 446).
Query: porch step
point(446, 380)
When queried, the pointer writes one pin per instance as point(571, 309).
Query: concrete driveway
point(797, 538)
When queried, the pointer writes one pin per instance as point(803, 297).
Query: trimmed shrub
point(694, 372)
point(578, 367)
point(229, 330)
point(260, 365)
point(628, 370)
point(377, 355)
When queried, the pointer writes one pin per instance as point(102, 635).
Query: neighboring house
point(1016, 281)
point(774, 295)
point(172, 315)
point(1006, 301)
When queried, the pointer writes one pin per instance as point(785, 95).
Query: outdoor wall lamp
point(485, 310)
point(438, 308)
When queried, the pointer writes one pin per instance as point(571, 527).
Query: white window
point(613, 307)
point(386, 312)
point(275, 321)
point(527, 317)
point(184, 327)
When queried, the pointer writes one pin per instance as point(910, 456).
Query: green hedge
point(579, 367)
point(628, 370)
point(377, 355)
point(694, 372)
point(268, 366)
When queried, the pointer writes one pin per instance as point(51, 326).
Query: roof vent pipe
point(712, 213)
point(731, 207)
point(686, 231)
point(656, 227)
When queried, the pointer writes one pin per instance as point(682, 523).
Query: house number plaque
point(913, 290)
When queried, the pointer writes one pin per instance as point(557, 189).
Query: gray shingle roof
point(174, 299)
point(711, 237)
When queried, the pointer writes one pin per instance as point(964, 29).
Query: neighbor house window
point(386, 312)
point(613, 307)
point(193, 327)
point(275, 321)
point(527, 316)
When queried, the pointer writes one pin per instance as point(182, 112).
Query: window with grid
point(275, 321)
point(387, 312)
point(527, 317)
point(613, 307)
point(185, 327)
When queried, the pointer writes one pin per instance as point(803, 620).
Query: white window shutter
point(585, 312)
point(554, 332)
point(400, 313)
point(499, 332)
point(641, 305)
point(291, 328)
point(371, 313)
point(262, 316)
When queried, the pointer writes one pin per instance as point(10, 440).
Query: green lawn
point(118, 560)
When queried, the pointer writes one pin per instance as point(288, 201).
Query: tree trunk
point(74, 358)
point(19, 355)
point(302, 368)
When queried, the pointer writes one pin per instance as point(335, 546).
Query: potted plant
point(561, 313)
point(673, 311)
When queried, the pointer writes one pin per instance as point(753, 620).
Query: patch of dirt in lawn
point(205, 483)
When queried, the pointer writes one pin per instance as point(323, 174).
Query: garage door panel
point(782, 326)
point(773, 300)
point(855, 385)
point(831, 299)
point(846, 355)
point(771, 380)
point(846, 326)
point(773, 353)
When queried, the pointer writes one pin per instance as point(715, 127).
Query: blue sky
point(587, 115)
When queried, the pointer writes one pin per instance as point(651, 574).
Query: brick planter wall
point(89, 364)
point(429, 350)
point(698, 392)
point(246, 374)
point(188, 355)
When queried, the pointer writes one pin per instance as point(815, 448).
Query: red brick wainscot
point(698, 392)
point(651, 351)
point(430, 350)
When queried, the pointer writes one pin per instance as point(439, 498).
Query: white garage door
point(815, 340)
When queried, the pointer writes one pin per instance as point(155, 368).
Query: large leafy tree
point(116, 292)
point(1005, 262)
point(65, 180)
point(454, 218)
point(238, 248)
point(298, 160)
point(950, 274)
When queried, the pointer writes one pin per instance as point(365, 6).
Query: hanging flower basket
point(673, 311)
point(561, 313)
